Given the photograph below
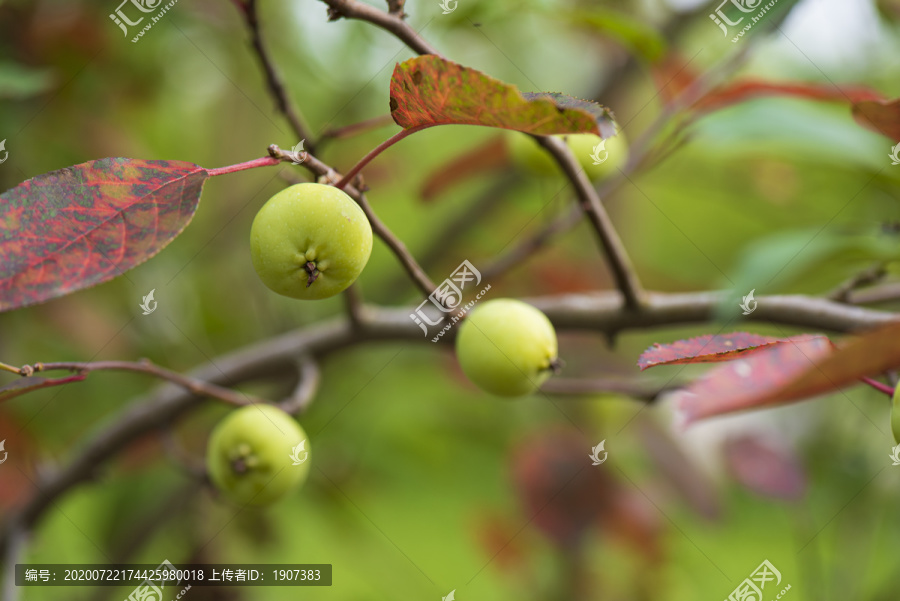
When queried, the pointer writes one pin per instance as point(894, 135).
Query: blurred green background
point(421, 483)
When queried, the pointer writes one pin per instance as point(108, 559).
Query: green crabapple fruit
point(507, 347)
point(528, 154)
point(310, 241)
point(253, 453)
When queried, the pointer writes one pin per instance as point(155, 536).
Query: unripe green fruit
point(310, 241)
point(528, 154)
point(895, 415)
point(249, 455)
point(507, 347)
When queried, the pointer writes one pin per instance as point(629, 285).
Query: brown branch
point(865, 277)
point(886, 293)
point(600, 312)
point(395, 7)
point(309, 377)
point(347, 131)
point(353, 303)
point(273, 79)
point(616, 256)
point(192, 385)
point(353, 9)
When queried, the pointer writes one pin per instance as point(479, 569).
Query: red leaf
point(882, 116)
point(709, 349)
point(791, 372)
point(83, 225)
point(429, 90)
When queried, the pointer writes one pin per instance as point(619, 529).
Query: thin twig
point(353, 9)
point(616, 256)
point(353, 303)
point(197, 387)
point(868, 276)
point(309, 377)
point(375, 152)
point(273, 79)
point(347, 131)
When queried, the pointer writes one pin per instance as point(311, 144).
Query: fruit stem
point(888, 390)
point(261, 162)
point(376, 151)
point(313, 272)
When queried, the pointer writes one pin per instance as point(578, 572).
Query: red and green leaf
point(428, 90)
point(709, 349)
point(791, 371)
point(79, 226)
point(882, 116)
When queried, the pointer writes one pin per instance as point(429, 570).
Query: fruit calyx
point(313, 272)
point(243, 460)
point(556, 364)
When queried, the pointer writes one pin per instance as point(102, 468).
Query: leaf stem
point(888, 390)
point(260, 162)
point(376, 151)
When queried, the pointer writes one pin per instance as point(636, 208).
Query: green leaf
point(429, 90)
point(635, 35)
point(18, 81)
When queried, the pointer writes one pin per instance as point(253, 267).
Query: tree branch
point(273, 79)
point(353, 9)
point(619, 263)
point(309, 377)
point(600, 312)
point(192, 385)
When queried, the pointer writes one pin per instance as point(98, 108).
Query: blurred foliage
point(413, 492)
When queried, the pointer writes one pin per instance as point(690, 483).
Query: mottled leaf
point(83, 225)
point(429, 90)
point(882, 116)
point(708, 349)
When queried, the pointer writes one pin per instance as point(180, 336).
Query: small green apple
point(507, 347)
point(257, 454)
point(528, 154)
point(310, 241)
